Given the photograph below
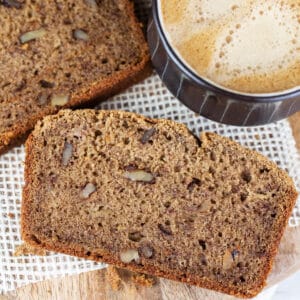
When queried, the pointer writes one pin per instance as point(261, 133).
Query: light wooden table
point(94, 285)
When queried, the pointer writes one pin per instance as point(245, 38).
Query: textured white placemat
point(150, 98)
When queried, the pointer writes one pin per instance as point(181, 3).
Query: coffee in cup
point(243, 46)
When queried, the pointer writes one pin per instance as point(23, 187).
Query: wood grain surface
point(295, 123)
point(94, 285)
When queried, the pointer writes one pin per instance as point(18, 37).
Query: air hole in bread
point(35, 239)
point(167, 204)
point(246, 176)
point(202, 244)
point(244, 197)
point(213, 156)
point(135, 236)
point(167, 222)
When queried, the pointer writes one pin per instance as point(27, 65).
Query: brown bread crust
point(208, 141)
point(100, 91)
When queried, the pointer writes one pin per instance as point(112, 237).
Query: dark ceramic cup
point(207, 99)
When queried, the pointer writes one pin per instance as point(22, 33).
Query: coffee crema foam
point(246, 46)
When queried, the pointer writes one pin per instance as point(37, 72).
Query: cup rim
point(207, 84)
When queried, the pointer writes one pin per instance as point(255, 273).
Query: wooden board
point(94, 285)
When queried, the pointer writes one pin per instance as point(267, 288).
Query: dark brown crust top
point(102, 90)
point(105, 256)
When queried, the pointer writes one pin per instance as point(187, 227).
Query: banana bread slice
point(147, 195)
point(63, 53)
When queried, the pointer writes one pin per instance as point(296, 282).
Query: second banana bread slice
point(64, 53)
point(147, 195)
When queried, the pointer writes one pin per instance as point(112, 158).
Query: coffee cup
point(209, 64)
